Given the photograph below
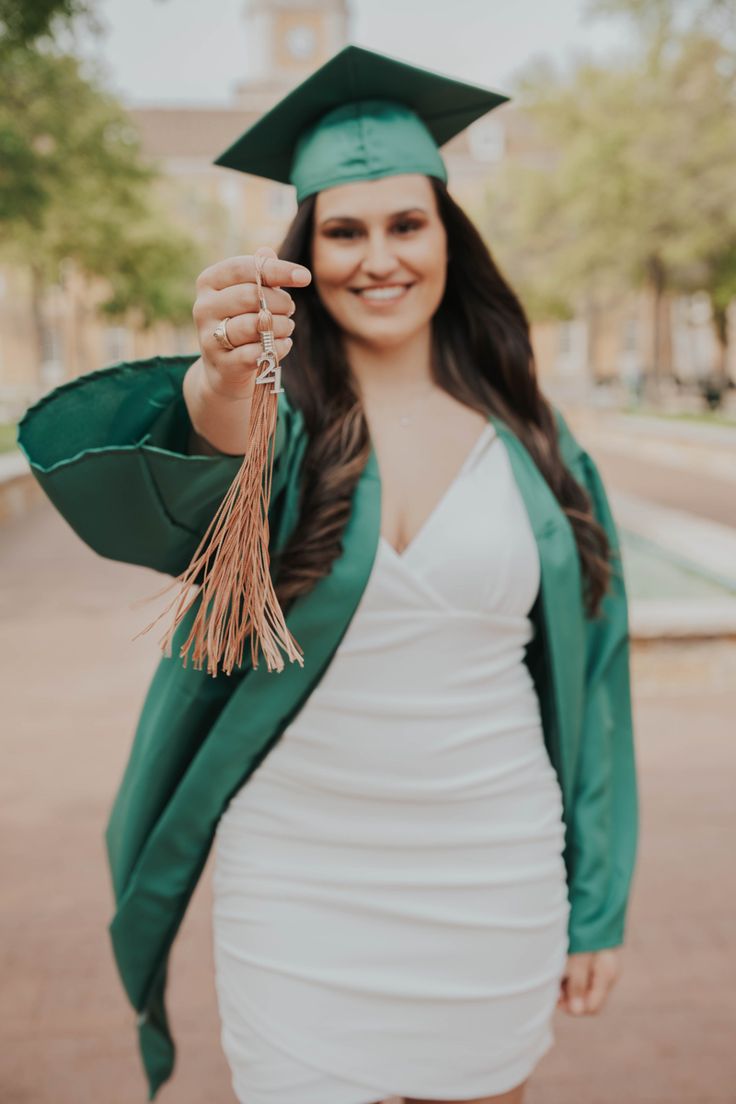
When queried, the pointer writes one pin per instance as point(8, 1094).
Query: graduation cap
point(359, 116)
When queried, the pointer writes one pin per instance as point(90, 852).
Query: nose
point(379, 260)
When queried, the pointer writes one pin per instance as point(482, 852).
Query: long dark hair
point(481, 355)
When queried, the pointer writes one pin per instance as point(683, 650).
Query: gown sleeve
point(606, 804)
point(110, 451)
point(605, 807)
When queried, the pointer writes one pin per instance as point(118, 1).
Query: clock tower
point(286, 41)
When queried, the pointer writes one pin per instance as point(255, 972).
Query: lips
point(382, 293)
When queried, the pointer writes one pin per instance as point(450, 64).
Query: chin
point(385, 331)
point(384, 340)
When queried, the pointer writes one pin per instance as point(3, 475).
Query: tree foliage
point(663, 20)
point(638, 187)
point(23, 23)
point(75, 188)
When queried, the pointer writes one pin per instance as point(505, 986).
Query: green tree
point(696, 41)
point(638, 185)
point(77, 193)
point(664, 21)
point(23, 23)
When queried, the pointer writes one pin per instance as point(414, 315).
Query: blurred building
point(233, 213)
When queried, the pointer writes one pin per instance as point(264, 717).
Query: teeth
point(383, 293)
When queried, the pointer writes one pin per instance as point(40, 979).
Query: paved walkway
point(681, 570)
point(74, 683)
point(690, 468)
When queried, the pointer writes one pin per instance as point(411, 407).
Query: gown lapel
point(560, 611)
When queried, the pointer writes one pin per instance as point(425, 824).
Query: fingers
point(587, 981)
point(242, 270)
point(240, 299)
point(243, 329)
point(228, 289)
point(606, 971)
point(234, 369)
point(575, 983)
point(253, 350)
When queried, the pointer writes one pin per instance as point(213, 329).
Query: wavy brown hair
point(481, 355)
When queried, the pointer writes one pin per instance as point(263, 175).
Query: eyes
point(403, 228)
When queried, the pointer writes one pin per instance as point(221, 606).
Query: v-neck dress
point(389, 894)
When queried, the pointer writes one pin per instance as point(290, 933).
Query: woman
point(425, 838)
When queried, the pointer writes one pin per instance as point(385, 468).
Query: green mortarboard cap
point(359, 116)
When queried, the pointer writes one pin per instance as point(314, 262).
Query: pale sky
point(190, 51)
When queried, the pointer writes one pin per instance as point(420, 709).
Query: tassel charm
point(230, 569)
point(272, 372)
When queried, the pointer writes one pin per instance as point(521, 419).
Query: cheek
point(426, 257)
point(331, 267)
point(430, 262)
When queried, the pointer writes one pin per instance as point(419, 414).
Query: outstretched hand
point(588, 979)
point(228, 291)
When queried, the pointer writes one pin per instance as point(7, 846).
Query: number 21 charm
point(272, 371)
point(268, 360)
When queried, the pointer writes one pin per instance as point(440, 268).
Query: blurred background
point(606, 190)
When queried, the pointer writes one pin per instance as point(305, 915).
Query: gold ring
point(220, 335)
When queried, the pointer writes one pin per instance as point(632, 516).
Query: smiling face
point(379, 257)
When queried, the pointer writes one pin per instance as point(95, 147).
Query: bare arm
point(220, 424)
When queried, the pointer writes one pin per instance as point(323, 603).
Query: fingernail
point(577, 1004)
point(300, 273)
point(292, 308)
point(288, 341)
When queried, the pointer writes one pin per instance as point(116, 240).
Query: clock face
point(300, 41)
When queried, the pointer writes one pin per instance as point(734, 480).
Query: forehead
point(375, 198)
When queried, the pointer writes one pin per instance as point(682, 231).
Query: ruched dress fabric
point(390, 900)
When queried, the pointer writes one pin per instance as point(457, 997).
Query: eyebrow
point(352, 218)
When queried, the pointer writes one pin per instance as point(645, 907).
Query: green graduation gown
point(110, 450)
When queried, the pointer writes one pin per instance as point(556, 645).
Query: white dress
point(390, 899)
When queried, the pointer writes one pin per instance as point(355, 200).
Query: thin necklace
point(405, 418)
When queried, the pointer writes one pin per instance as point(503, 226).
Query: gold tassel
point(237, 592)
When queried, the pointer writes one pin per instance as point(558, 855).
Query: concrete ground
point(73, 685)
point(681, 466)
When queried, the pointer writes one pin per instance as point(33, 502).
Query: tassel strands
point(230, 568)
